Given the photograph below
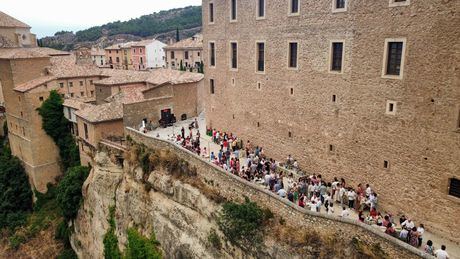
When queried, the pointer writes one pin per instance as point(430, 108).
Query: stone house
point(14, 33)
point(148, 54)
point(98, 57)
point(361, 91)
point(188, 51)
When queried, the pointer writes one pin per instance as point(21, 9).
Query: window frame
point(289, 55)
point(211, 14)
point(331, 57)
point(258, 17)
point(210, 54)
point(385, 58)
point(394, 3)
point(257, 57)
point(231, 55)
point(232, 20)
point(387, 109)
point(290, 13)
point(339, 10)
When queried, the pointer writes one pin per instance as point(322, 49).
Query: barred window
point(454, 187)
point(211, 12)
point(394, 58)
point(233, 10)
point(260, 57)
point(293, 54)
point(337, 51)
point(340, 4)
point(234, 49)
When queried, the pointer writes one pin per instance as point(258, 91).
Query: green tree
point(181, 67)
point(140, 247)
point(69, 194)
point(58, 128)
point(111, 250)
point(242, 223)
point(15, 194)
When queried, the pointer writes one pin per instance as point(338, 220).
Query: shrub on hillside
point(140, 247)
point(15, 194)
point(242, 224)
point(69, 192)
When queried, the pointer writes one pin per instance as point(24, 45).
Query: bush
point(140, 247)
point(15, 194)
point(242, 223)
point(69, 193)
point(16, 240)
point(67, 254)
point(214, 239)
point(111, 250)
point(58, 128)
point(63, 233)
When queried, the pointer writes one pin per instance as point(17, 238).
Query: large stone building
point(187, 52)
point(14, 33)
point(367, 91)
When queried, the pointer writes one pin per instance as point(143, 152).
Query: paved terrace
point(165, 134)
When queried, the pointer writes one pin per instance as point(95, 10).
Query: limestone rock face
point(178, 213)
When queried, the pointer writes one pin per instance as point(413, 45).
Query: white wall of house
point(155, 54)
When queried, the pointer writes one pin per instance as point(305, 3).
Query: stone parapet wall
point(234, 188)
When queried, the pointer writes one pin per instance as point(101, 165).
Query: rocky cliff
point(179, 214)
point(163, 189)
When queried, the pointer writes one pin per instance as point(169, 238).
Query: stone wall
point(235, 188)
point(292, 111)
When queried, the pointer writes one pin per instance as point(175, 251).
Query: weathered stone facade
point(336, 124)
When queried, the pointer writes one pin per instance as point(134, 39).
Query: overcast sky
point(48, 16)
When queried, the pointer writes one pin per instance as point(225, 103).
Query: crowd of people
point(312, 192)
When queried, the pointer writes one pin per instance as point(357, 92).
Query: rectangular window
point(212, 54)
point(454, 187)
point(294, 6)
point(233, 10)
point(172, 54)
point(71, 94)
point(81, 83)
point(234, 54)
point(339, 4)
point(118, 60)
point(260, 8)
point(396, 3)
point(186, 54)
point(211, 12)
point(86, 130)
point(71, 84)
point(92, 93)
point(293, 54)
point(41, 98)
point(260, 57)
point(337, 55)
point(394, 57)
point(61, 85)
point(91, 82)
point(211, 85)
point(82, 93)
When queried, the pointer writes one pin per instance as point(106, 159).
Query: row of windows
point(186, 54)
point(70, 84)
point(293, 8)
point(393, 56)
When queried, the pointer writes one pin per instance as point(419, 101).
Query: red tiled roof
point(10, 22)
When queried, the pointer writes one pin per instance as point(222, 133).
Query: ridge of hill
point(160, 25)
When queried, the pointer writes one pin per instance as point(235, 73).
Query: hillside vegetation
point(187, 19)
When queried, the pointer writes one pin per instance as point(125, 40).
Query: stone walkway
point(166, 133)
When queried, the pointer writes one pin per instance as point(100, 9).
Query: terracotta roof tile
point(24, 87)
point(10, 22)
point(156, 77)
point(195, 42)
point(21, 53)
point(104, 112)
point(77, 103)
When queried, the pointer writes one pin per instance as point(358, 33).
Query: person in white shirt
point(368, 190)
point(408, 224)
point(420, 230)
point(351, 198)
point(282, 193)
point(345, 213)
point(403, 234)
point(441, 253)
